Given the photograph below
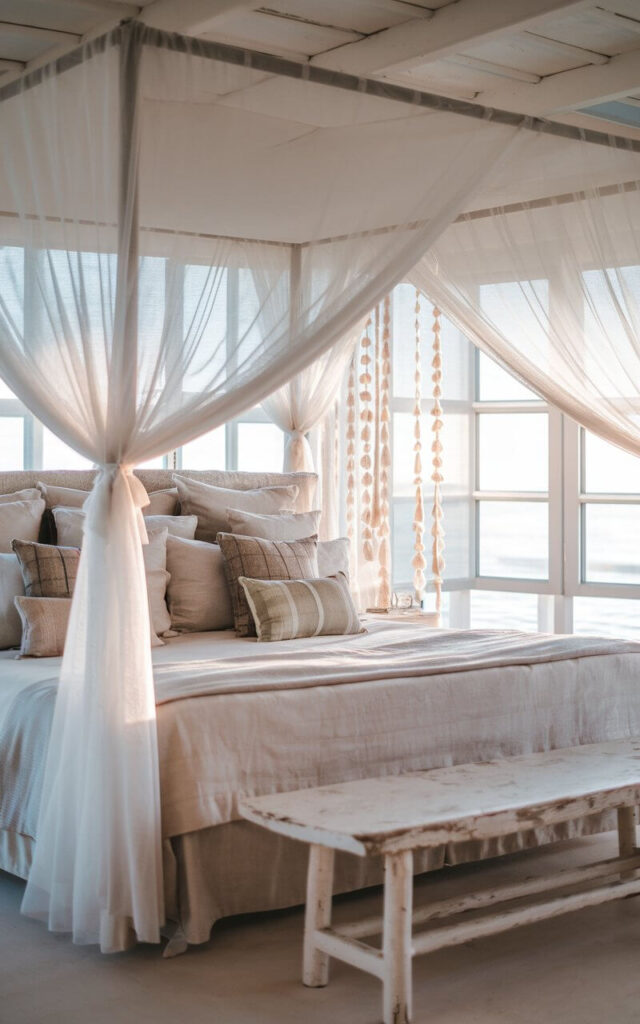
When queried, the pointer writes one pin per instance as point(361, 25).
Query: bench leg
point(627, 831)
point(397, 937)
point(315, 963)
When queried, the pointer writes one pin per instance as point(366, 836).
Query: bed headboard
point(157, 479)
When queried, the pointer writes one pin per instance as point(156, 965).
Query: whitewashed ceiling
point(571, 60)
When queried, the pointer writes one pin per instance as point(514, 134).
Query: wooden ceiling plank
point(494, 69)
point(621, 21)
point(451, 28)
point(191, 17)
point(588, 56)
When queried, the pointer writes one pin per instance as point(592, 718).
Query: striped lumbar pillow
point(289, 609)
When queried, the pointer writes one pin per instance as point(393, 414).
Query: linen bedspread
point(236, 717)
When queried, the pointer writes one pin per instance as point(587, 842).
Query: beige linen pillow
point(162, 503)
point(289, 609)
point(333, 557)
point(210, 503)
point(11, 585)
point(27, 494)
point(47, 570)
point(197, 593)
point(20, 519)
point(280, 526)
point(69, 525)
point(44, 625)
point(263, 560)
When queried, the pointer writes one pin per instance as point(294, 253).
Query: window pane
point(513, 306)
point(514, 539)
point(57, 455)
point(455, 349)
point(513, 451)
point(206, 452)
point(402, 539)
point(157, 463)
point(608, 469)
point(11, 442)
point(404, 455)
point(606, 616)
point(611, 543)
point(496, 610)
point(496, 385)
point(4, 390)
point(205, 321)
point(260, 447)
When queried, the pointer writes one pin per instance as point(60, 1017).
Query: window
point(215, 296)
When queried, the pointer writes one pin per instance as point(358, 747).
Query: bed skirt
point(238, 868)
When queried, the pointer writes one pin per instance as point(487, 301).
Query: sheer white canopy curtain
point(142, 177)
point(547, 279)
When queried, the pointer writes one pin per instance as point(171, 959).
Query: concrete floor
point(580, 969)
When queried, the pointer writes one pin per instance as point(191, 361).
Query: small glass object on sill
point(404, 606)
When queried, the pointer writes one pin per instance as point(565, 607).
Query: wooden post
point(315, 963)
point(627, 831)
point(396, 940)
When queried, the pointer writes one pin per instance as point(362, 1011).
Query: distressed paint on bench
point(475, 801)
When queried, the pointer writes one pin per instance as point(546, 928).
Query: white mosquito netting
point(543, 273)
point(136, 175)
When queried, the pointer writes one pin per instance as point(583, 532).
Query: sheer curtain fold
point(153, 204)
point(550, 288)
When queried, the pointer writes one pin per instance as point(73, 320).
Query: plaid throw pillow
point(263, 560)
point(47, 571)
point(289, 609)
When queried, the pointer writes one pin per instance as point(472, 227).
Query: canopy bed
point(142, 167)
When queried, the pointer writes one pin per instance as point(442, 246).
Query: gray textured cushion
point(44, 625)
point(21, 520)
point(278, 526)
point(289, 609)
point(69, 525)
point(263, 560)
point(11, 585)
point(210, 503)
point(197, 593)
point(28, 494)
point(333, 557)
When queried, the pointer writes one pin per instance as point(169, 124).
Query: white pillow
point(281, 526)
point(333, 557)
point(20, 520)
point(69, 522)
point(155, 567)
point(197, 593)
point(162, 502)
point(210, 503)
point(28, 494)
point(11, 585)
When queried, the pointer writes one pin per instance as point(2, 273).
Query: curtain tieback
point(98, 504)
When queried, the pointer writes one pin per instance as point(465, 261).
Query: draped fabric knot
point(298, 457)
point(109, 477)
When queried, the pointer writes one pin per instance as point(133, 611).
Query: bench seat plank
point(472, 801)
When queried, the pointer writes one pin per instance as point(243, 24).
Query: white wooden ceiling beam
point(112, 7)
point(11, 65)
point(191, 17)
point(452, 28)
point(581, 87)
point(44, 35)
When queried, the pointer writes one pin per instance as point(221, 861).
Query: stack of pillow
point(243, 559)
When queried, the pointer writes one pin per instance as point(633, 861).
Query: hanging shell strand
point(437, 531)
point(418, 562)
point(384, 417)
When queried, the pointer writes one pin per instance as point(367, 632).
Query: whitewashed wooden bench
point(393, 816)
